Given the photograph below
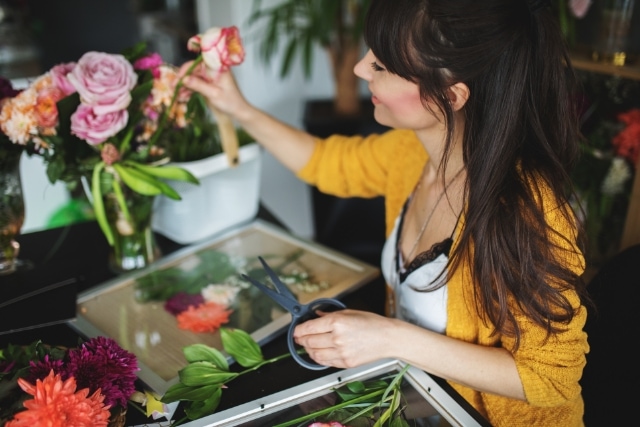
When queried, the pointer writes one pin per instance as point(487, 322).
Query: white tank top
point(425, 309)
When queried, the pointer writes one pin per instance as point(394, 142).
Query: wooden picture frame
point(131, 308)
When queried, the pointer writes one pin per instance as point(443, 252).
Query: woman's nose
point(362, 68)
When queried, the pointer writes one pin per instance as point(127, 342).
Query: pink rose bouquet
point(110, 119)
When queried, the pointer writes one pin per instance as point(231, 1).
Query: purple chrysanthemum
point(40, 369)
point(102, 363)
point(182, 301)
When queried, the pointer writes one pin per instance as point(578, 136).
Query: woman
point(482, 261)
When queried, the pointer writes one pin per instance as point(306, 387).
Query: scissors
point(299, 312)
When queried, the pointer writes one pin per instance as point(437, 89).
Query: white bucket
point(226, 197)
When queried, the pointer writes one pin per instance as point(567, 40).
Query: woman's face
point(397, 101)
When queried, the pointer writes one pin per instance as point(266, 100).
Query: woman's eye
point(376, 67)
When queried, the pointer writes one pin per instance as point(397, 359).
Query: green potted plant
point(299, 25)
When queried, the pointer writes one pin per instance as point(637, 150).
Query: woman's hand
point(221, 91)
point(345, 338)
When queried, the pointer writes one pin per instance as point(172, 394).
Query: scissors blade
point(282, 295)
point(280, 286)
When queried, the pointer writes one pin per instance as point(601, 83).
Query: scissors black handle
point(308, 312)
point(299, 312)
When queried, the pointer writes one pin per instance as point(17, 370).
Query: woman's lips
point(375, 100)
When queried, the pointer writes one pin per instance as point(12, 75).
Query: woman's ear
point(458, 95)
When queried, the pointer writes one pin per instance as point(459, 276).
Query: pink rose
point(59, 75)
point(220, 47)
point(96, 128)
point(104, 81)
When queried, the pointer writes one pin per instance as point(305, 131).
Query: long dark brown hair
point(521, 139)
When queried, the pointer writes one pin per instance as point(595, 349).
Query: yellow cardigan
point(390, 165)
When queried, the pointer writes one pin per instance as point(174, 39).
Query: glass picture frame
point(131, 308)
point(431, 402)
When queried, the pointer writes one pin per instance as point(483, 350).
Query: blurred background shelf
point(581, 60)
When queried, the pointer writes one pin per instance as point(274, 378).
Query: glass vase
point(613, 34)
point(11, 208)
point(129, 217)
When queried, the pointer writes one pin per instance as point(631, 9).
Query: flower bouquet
point(113, 123)
point(85, 386)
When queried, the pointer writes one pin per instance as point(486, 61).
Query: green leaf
point(356, 387)
point(204, 373)
point(209, 266)
point(138, 181)
point(199, 409)
point(168, 172)
point(204, 353)
point(241, 347)
point(180, 391)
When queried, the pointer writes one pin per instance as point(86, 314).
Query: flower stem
point(117, 189)
point(264, 362)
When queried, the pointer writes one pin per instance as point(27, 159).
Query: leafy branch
point(202, 380)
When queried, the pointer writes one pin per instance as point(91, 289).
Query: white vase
point(227, 196)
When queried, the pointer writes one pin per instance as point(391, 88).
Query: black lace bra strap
point(426, 257)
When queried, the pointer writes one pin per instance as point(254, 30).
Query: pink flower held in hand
point(104, 81)
point(97, 128)
point(221, 48)
point(59, 75)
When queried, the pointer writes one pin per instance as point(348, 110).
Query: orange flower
point(58, 403)
point(207, 317)
point(46, 110)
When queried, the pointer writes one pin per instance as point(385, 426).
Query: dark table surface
point(73, 258)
